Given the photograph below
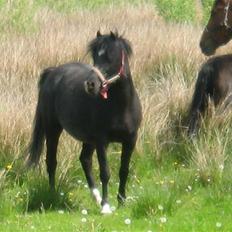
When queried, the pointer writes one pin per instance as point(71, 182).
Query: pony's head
point(218, 31)
point(109, 51)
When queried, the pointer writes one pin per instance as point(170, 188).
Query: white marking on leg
point(97, 195)
point(106, 209)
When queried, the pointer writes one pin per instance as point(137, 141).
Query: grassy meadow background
point(174, 184)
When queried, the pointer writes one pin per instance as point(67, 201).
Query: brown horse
point(214, 83)
point(218, 31)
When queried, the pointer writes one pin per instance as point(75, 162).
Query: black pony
point(96, 105)
point(214, 83)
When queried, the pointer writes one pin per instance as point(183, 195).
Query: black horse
point(214, 83)
point(96, 105)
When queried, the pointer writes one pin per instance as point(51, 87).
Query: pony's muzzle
point(207, 48)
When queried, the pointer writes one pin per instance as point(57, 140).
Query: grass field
point(175, 184)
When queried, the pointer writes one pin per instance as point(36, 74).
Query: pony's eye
point(101, 52)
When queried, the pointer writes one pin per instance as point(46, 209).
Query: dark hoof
point(121, 199)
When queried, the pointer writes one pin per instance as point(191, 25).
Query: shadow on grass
point(41, 198)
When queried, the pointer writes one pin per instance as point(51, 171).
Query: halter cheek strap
point(122, 68)
point(106, 82)
point(226, 15)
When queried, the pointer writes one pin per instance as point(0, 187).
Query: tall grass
point(19, 15)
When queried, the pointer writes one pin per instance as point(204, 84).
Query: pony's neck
point(123, 88)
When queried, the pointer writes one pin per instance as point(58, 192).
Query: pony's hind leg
point(104, 176)
point(86, 162)
point(52, 138)
point(127, 149)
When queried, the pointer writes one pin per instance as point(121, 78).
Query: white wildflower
point(178, 201)
point(127, 221)
point(160, 207)
point(163, 219)
point(84, 220)
point(84, 212)
point(113, 208)
point(221, 167)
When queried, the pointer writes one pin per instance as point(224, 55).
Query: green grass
point(171, 188)
point(182, 11)
point(176, 10)
point(167, 189)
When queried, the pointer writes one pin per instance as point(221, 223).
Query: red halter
point(105, 82)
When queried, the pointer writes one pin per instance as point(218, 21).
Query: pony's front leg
point(86, 162)
point(127, 149)
point(104, 176)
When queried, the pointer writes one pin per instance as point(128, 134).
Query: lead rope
point(226, 15)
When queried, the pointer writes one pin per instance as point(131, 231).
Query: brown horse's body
point(218, 30)
point(214, 80)
point(214, 83)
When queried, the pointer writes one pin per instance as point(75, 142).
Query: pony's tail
point(37, 140)
point(38, 135)
point(200, 99)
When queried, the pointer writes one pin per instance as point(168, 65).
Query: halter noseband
point(106, 82)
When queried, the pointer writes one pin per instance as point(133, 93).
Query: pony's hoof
point(121, 199)
point(97, 196)
point(106, 209)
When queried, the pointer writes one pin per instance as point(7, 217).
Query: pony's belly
point(82, 136)
point(79, 132)
point(88, 135)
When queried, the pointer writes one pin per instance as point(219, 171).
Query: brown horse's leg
point(127, 149)
point(104, 176)
point(52, 139)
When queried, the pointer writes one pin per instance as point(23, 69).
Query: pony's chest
point(121, 125)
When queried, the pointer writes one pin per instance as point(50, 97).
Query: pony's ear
point(99, 33)
point(112, 35)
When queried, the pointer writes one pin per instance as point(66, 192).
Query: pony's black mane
point(103, 39)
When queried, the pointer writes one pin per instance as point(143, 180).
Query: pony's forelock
point(99, 40)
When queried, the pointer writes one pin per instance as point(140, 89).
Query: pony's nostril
point(90, 85)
